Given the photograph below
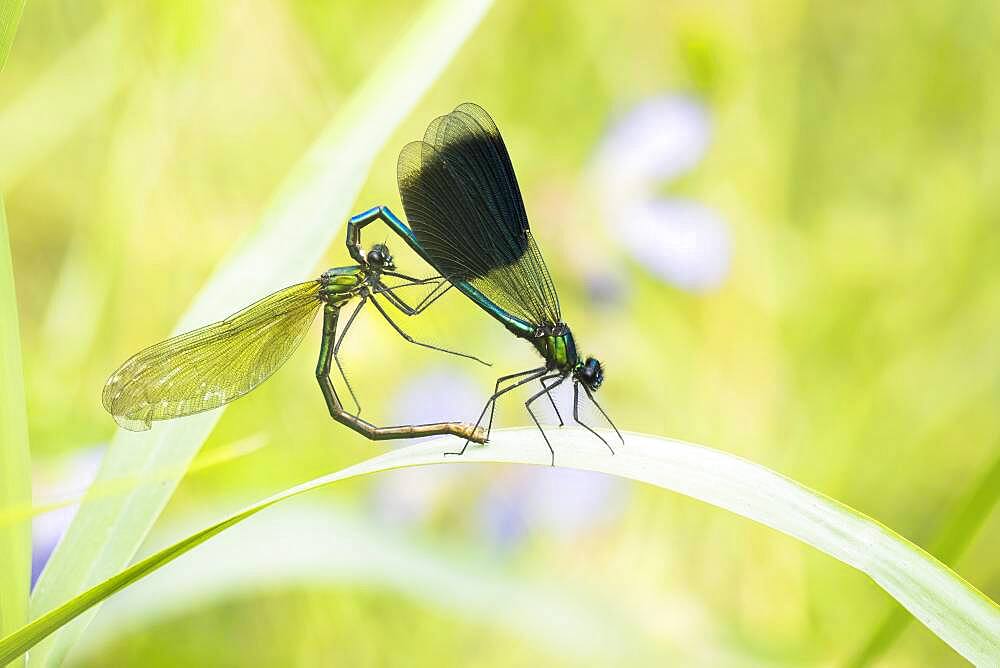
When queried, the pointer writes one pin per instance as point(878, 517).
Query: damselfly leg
point(535, 374)
point(552, 401)
point(403, 307)
point(496, 392)
point(336, 351)
point(331, 314)
point(558, 378)
point(590, 395)
point(576, 417)
point(409, 338)
point(398, 301)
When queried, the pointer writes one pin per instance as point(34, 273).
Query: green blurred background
point(834, 318)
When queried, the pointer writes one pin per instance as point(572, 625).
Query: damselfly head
point(379, 258)
point(591, 374)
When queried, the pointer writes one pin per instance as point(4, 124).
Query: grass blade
point(955, 537)
point(948, 605)
point(312, 534)
point(15, 462)
point(10, 17)
point(215, 457)
point(306, 214)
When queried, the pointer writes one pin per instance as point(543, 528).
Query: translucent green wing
point(213, 365)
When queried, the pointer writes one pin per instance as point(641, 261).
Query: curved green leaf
point(15, 460)
point(949, 546)
point(948, 605)
point(586, 626)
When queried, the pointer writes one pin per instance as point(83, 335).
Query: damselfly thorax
point(342, 284)
point(556, 345)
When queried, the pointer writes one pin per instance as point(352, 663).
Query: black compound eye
point(593, 373)
point(379, 255)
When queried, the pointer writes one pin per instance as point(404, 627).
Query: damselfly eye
point(379, 256)
point(592, 374)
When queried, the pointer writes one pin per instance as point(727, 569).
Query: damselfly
point(468, 220)
point(213, 365)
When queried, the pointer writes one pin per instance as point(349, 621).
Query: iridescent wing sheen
point(210, 366)
point(463, 203)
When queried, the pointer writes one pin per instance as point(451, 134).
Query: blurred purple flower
point(408, 496)
point(53, 481)
point(680, 241)
point(605, 288)
point(441, 395)
point(660, 139)
point(502, 515)
point(560, 503)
